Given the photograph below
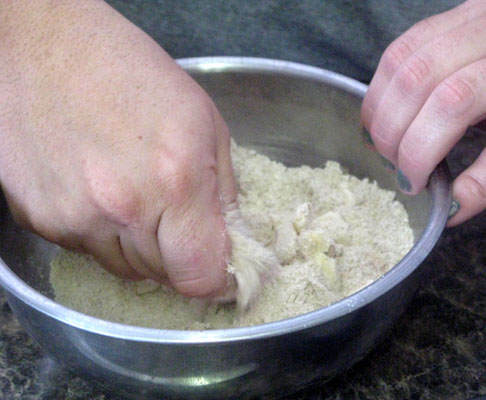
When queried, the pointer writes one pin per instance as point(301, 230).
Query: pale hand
point(109, 148)
point(430, 86)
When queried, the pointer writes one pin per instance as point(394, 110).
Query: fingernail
point(387, 163)
point(455, 207)
point(367, 137)
point(403, 181)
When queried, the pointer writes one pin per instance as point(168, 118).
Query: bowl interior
point(293, 118)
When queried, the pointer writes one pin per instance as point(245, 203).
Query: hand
point(430, 85)
point(109, 148)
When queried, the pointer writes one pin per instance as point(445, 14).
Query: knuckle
point(414, 76)
point(385, 137)
point(474, 187)
point(177, 177)
point(112, 196)
point(410, 157)
point(395, 55)
point(455, 96)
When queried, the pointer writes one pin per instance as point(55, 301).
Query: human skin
point(430, 85)
point(109, 148)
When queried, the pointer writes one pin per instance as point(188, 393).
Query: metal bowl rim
point(439, 188)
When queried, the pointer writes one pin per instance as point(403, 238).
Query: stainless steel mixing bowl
point(296, 114)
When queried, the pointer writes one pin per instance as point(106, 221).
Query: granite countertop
point(437, 350)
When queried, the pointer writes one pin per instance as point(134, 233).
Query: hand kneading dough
point(251, 262)
point(302, 238)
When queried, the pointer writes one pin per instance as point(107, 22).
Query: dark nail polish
point(387, 163)
point(455, 207)
point(403, 181)
point(367, 137)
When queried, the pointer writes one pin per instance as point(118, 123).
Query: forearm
point(35, 30)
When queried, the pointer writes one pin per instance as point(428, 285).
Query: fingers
point(178, 235)
point(190, 249)
point(192, 237)
point(428, 88)
point(141, 251)
point(456, 103)
point(108, 252)
point(469, 191)
point(193, 242)
point(406, 45)
point(417, 78)
point(226, 178)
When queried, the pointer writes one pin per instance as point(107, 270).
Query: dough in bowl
point(322, 234)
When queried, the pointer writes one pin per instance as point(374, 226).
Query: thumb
point(192, 234)
point(193, 242)
point(469, 192)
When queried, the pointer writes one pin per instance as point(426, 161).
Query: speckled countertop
point(437, 350)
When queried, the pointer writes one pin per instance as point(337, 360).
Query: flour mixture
point(331, 233)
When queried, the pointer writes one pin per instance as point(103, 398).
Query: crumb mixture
point(332, 234)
